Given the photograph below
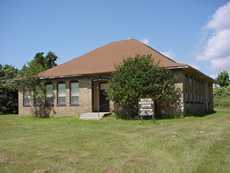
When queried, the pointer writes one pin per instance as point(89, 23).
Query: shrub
point(140, 77)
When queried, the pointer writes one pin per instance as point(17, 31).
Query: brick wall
point(85, 99)
point(196, 97)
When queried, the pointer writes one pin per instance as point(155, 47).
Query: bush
point(140, 77)
point(222, 91)
point(222, 98)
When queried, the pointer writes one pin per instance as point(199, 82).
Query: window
point(26, 98)
point(38, 96)
point(74, 93)
point(49, 94)
point(38, 100)
point(61, 94)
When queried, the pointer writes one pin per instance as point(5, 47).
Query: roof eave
point(180, 66)
point(201, 73)
point(74, 75)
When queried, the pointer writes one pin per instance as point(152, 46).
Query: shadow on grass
point(162, 117)
point(201, 114)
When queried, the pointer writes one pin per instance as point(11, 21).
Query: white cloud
point(221, 63)
point(220, 19)
point(216, 49)
point(218, 45)
point(145, 41)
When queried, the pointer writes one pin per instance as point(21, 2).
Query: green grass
point(68, 145)
point(222, 103)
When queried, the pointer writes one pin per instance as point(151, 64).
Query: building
point(80, 84)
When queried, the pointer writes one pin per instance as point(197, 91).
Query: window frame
point(36, 100)
point(53, 95)
point(23, 97)
point(70, 93)
point(61, 82)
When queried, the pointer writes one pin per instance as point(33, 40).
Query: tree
point(8, 91)
point(37, 64)
point(223, 79)
point(51, 59)
point(28, 79)
point(140, 77)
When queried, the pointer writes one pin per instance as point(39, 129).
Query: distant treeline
point(222, 98)
point(11, 79)
point(222, 93)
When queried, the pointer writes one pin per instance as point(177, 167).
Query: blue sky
point(71, 28)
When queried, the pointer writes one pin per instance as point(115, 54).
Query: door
point(103, 98)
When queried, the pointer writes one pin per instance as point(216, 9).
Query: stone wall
point(85, 99)
point(196, 97)
point(173, 109)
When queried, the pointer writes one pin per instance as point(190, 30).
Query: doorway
point(103, 97)
point(100, 100)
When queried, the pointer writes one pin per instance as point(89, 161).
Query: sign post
point(146, 108)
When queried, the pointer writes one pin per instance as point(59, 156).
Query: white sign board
point(146, 107)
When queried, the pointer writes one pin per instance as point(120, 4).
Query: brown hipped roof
point(105, 58)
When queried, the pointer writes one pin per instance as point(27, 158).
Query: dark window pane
point(61, 100)
point(26, 101)
point(38, 101)
point(26, 98)
point(49, 90)
point(74, 100)
point(49, 94)
point(74, 95)
point(61, 90)
point(61, 94)
point(49, 100)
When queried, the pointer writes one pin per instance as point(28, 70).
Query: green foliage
point(222, 91)
point(28, 79)
point(51, 59)
point(222, 98)
point(140, 77)
point(38, 63)
point(8, 92)
point(11, 79)
point(223, 79)
point(27, 75)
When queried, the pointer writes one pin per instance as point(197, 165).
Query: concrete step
point(93, 115)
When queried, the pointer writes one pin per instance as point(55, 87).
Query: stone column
point(20, 102)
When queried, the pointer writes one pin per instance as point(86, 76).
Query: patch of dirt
point(110, 170)
point(73, 159)
point(3, 158)
point(134, 160)
point(41, 171)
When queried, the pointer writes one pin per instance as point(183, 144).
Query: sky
point(195, 32)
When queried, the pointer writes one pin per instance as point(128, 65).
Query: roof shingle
point(105, 58)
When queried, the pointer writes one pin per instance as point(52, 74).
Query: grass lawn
point(67, 145)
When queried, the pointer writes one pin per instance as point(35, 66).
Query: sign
point(146, 107)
